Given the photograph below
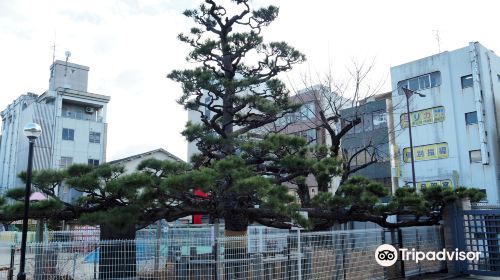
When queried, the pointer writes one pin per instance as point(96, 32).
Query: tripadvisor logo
point(387, 255)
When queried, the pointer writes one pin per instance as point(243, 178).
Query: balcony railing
point(81, 116)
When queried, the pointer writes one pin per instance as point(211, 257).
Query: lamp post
point(32, 131)
point(408, 94)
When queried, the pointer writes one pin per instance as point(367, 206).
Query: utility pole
point(408, 94)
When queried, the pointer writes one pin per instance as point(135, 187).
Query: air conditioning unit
point(89, 110)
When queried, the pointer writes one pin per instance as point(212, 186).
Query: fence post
point(74, 265)
point(11, 268)
point(217, 250)
point(95, 260)
point(383, 231)
point(454, 232)
point(299, 259)
point(442, 246)
point(156, 272)
point(400, 245)
point(344, 253)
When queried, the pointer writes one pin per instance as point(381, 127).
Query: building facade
point(73, 122)
point(367, 144)
point(455, 126)
point(131, 163)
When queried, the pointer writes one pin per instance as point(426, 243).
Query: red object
point(197, 218)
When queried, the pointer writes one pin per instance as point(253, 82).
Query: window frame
point(433, 80)
point(470, 114)
point(466, 78)
point(93, 162)
point(69, 135)
point(480, 160)
point(92, 139)
point(68, 161)
point(381, 124)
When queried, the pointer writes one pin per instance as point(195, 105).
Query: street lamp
point(32, 131)
point(408, 94)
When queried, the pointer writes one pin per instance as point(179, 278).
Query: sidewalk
point(442, 276)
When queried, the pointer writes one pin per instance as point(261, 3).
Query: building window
point(309, 135)
point(65, 162)
point(94, 137)
point(382, 153)
point(379, 119)
point(421, 82)
point(94, 162)
point(467, 81)
point(306, 112)
point(475, 156)
point(485, 199)
point(368, 122)
point(346, 122)
point(68, 134)
point(471, 118)
point(359, 127)
point(208, 99)
point(361, 158)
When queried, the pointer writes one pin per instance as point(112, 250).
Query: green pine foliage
point(249, 173)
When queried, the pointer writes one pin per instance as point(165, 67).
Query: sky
point(131, 45)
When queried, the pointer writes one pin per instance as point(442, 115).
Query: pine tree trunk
point(235, 250)
point(117, 254)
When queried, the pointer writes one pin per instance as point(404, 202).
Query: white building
point(455, 125)
point(131, 163)
point(73, 123)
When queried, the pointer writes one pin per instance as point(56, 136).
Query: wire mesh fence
point(91, 234)
point(423, 239)
point(262, 254)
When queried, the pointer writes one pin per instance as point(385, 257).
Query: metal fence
point(479, 231)
point(259, 255)
point(163, 231)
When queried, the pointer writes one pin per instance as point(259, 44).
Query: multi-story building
point(366, 146)
point(304, 122)
point(455, 126)
point(73, 121)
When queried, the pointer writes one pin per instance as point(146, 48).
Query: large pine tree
point(236, 81)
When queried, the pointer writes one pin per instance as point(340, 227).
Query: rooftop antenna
point(438, 39)
point(53, 60)
point(53, 55)
point(67, 54)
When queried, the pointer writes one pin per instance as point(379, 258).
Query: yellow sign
point(440, 183)
point(427, 116)
point(427, 152)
